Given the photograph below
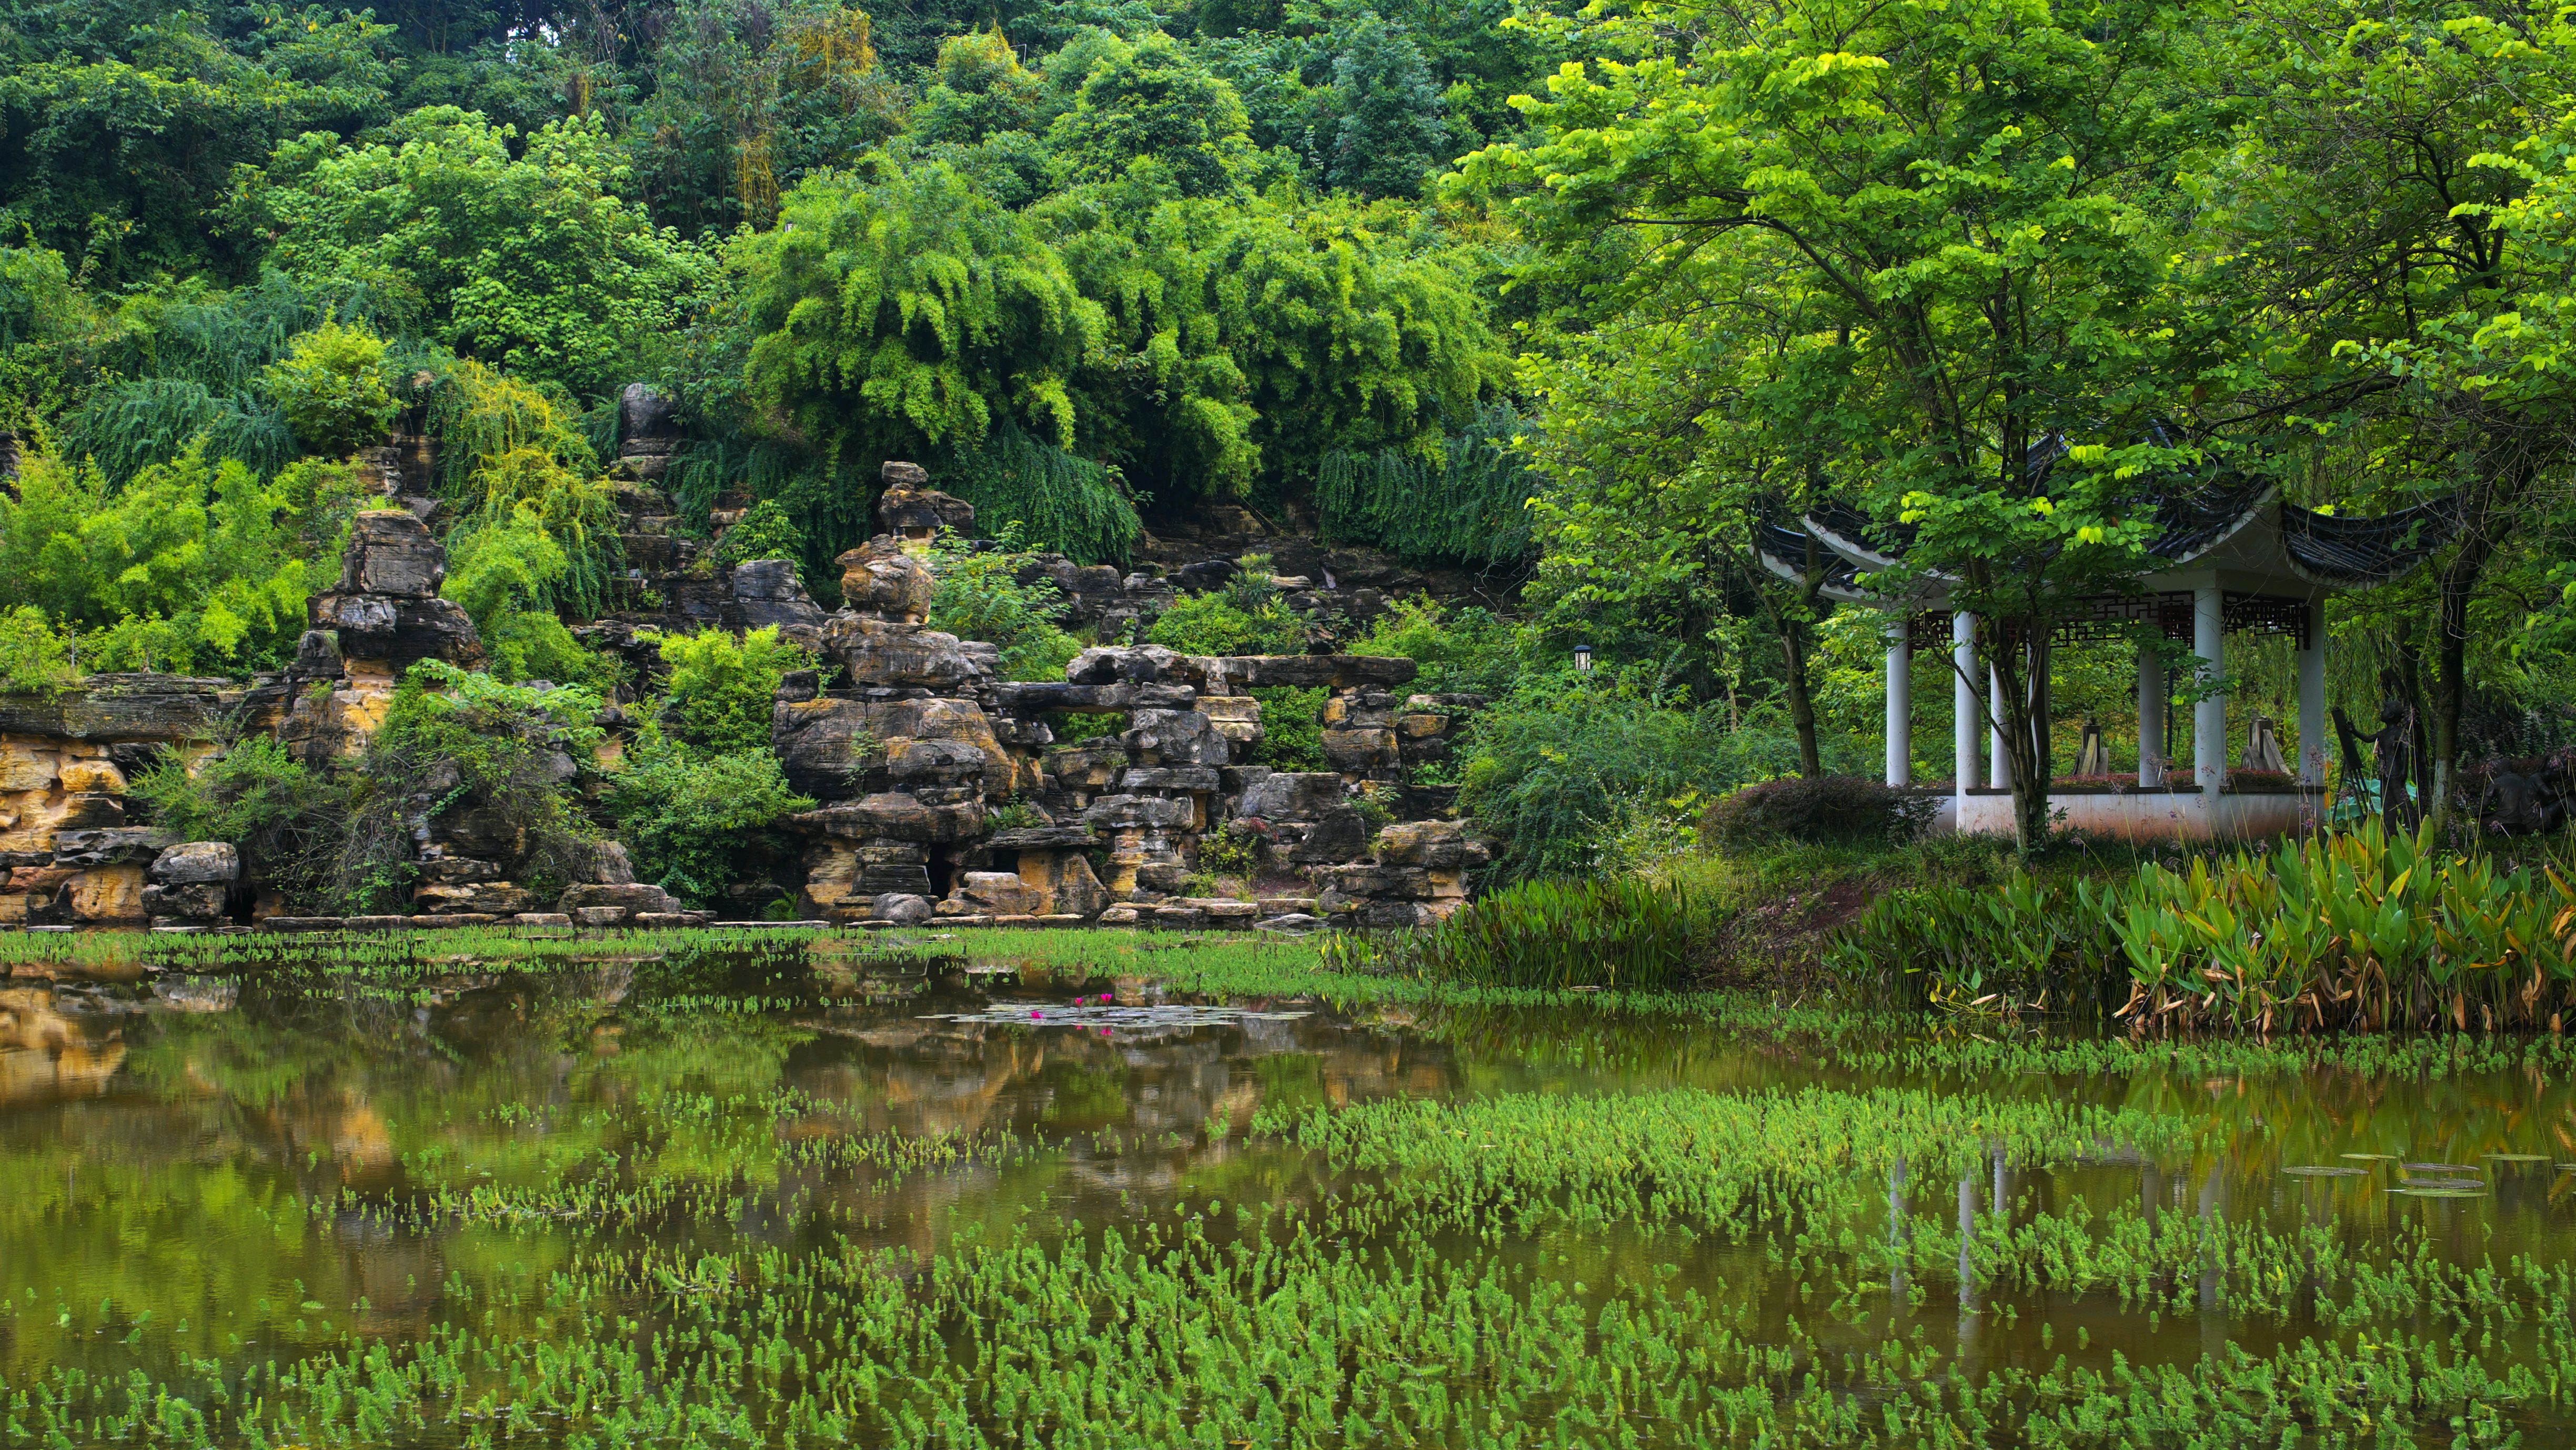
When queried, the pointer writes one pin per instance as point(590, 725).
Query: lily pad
point(2372, 1157)
point(2468, 1183)
point(2441, 1192)
point(2519, 1157)
point(2306, 1170)
point(2439, 1167)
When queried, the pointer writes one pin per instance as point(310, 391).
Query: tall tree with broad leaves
point(1974, 194)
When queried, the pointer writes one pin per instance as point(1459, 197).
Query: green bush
point(1621, 931)
point(1292, 728)
point(1554, 769)
point(763, 532)
point(1818, 810)
point(696, 821)
point(35, 657)
point(1214, 624)
point(333, 387)
point(286, 819)
point(502, 569)
point(978, 596)
point(1464, 649)
point(720, 692)
point(456, 738)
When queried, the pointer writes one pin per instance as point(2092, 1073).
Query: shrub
point(1621, 931)
point(695, 820)
point(453, 737)
point(1214, 624)
point(1553, 770)
point(285, 818)
point(35, 657)
point(763, 532)
point(721, 689)
point(979, 596)
point(1232, 851)
point(502, 570)
point(334, 390)
point(1292, 728)
point(1461, 649)
point(1821, 810)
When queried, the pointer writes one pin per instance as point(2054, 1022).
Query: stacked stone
point(1417, 877)
point(68, 855)
point(385, 616)
point(190, 884)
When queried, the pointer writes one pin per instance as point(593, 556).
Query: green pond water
point(755, 1201)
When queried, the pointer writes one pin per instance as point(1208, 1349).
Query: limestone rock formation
point(880, 581)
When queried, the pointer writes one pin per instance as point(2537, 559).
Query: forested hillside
point(1573, 297)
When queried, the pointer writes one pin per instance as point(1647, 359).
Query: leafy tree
point(530, 262)
point(981, 90)
point(192, 566)
point(750, 96)
point(907, 310)
point(284, 817)
point(455, 739)
point(503, 569)
point(35, 657)
point(1968, 196)
point(2389, 236)
point(1157, 103)
point(720, 689)
point(763, 532)
point(333, 389)
point(698, 822)
point(1380, 127)
point(117, 148)
point(979, 596)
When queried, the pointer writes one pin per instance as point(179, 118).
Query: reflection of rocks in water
point(48, 1054)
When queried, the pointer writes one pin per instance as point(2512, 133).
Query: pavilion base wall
point(2152, 815)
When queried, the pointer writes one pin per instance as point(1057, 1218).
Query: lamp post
point(1583, 659)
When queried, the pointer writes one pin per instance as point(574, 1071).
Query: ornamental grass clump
point(1626, 932)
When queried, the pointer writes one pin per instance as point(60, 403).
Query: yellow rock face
point(92, 775)
point(108, 893)
point(25, 767)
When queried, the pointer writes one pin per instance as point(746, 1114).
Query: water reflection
point(160, 1141)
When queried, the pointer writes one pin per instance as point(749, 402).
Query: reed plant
point(1631, 932)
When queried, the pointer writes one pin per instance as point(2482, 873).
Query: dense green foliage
point(1622, 931)
point(694, 818)
point(717, 696)
point(978, 595)
point(284, 817)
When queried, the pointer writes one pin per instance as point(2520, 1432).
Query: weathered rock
point(902, 909)
point(1175, 737)
point(1119, 915)
point(542, 918)
point(1295, 796)
point(995, 893)
point(1132, 812)
point(171, 708)
point(188, 901)
point(879, 580)
point(391, 553)
point(644, 411)
point(1064, 882)
point(832, 747)
point(193, 862)
point(115, 846)
point(399, 630)
point(610, 864)
point(1143, 664)
point(766, 593)
point(598, 915)
point(1292, 923)
point(1190, 778)
point(1361, 752)
point(1442, 845)
point(1412, 882)
point(934, 762)
point(898, 816)
point(486, 898)
point(886, 654)
point(1315, 672)
point(911, 510)
point(1091, 765)
point(1043, 838)
point(633, 897)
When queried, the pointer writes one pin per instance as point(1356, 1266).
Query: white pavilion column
point(1900, 706)
point(1965, 712)
point(1995, 751)
point(2312, 697)
point(2151, 716)
point(2209, 717)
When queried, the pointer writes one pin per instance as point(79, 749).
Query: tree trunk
point(1802, 700)
point(2022, 734)
point(2457, 585)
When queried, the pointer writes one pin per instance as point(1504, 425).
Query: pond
point(797, 1195)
